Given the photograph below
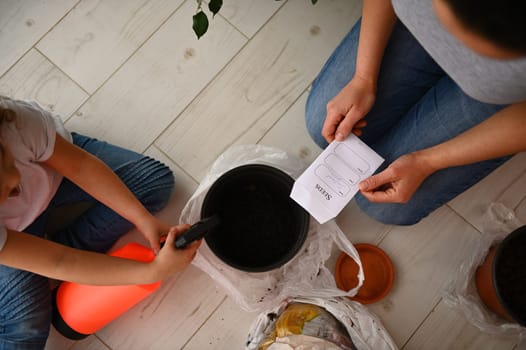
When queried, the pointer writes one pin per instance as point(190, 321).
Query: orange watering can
point(81, 309)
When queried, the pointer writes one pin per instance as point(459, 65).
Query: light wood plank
point(248, 15)
point(168, 317)
point(35, 78)
point(96, 37)
point(90, 343)
point(359, 227)
point(425, 257)
point(447, 329)
point(260, 83)
point(227, 328)
point(290, 133)
point(23, 23)
point(516, 195)
point(473, 203)
point(158, 82)
point(57, 342)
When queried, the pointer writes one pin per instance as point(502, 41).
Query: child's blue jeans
point(25, 298)
point(417, 106)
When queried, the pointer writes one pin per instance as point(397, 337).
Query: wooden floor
point(132, 73)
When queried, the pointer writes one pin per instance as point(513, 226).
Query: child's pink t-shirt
point(31, 139)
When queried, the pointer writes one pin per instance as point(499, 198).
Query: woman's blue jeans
point(25, 298)
point(417, 106)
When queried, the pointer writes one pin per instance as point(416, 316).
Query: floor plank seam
point(204, 322)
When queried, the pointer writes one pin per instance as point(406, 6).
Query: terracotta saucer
point(378, 271)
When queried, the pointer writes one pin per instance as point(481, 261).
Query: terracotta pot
point(378, 272)
point(500, 279)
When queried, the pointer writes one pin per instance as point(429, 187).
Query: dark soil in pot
point(261, 226)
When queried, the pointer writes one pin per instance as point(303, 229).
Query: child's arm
point(43, 257)
point(97, 179)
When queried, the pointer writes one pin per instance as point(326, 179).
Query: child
point(43, 166)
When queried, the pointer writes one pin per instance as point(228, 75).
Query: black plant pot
point(261, 227)
point(509, 274)
point(501, 278)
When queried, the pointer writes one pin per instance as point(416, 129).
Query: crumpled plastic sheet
point(461, 293)
point(304, 275)
point(364, 327)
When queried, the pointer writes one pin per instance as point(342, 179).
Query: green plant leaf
point(200, 24)
point(215, 5)
point(314, 2)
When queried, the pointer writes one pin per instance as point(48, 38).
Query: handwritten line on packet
point(331, 181)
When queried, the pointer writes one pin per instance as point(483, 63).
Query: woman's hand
point(170, 259)
point(345, 112)
point(398, 182)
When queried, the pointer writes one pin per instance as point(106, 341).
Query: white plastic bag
point(303, 275)
point(461, 294)
point(365, 328)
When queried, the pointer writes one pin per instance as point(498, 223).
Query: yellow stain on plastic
point(294, 318)
point(291, 322)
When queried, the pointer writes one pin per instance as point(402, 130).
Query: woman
point(437, 88)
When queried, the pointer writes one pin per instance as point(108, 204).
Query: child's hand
point(170, 259)
point(153, 229)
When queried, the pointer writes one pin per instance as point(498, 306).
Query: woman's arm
point(97, 179)
point(378, 20)
point(355, 100)
point(27, 252)
point(502, 134)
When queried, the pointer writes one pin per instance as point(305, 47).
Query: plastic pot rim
point(520, 319)
point(277, 174)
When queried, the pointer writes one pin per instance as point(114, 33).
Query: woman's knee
point(315, 117)
point(391, 213)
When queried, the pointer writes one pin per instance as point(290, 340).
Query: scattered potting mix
point(268, 249)
point(301, 269)
point(269, 255)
